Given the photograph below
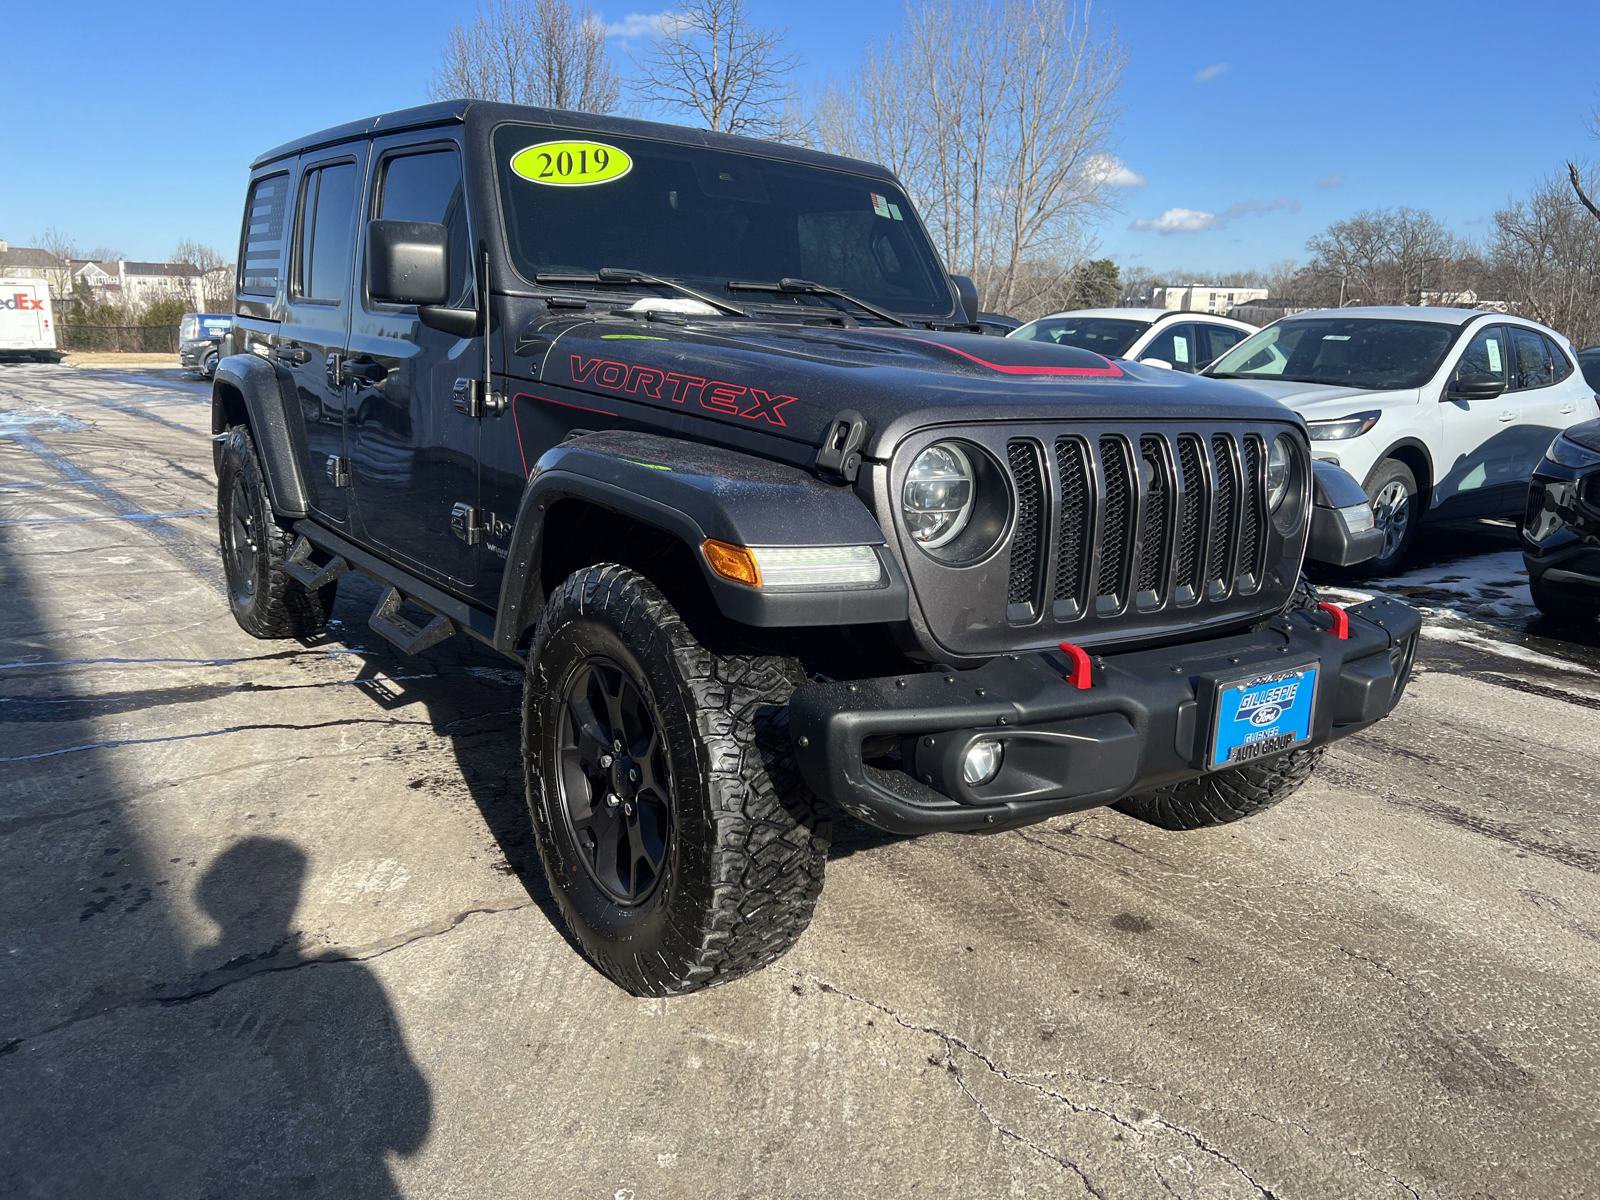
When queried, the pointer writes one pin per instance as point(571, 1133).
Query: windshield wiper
point(626, 275)
point(804, 287)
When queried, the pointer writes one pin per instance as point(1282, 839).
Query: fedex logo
point(22, 302)
point(713, 395)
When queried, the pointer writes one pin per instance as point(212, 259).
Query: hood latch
point(840, 454)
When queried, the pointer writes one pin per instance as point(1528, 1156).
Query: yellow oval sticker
point(571, 164)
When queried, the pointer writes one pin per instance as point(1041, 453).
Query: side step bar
point(309, 575)
point(388, 623)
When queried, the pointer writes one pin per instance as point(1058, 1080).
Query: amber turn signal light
point(731, 562)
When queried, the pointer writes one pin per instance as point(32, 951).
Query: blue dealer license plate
point(1262, 716)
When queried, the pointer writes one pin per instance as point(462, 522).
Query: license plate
point(1262, 716)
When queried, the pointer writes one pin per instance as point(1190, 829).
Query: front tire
point(265, 601)
point(676, 836)
point(1237, 792)
point(1396, 507)
point(1562, 609)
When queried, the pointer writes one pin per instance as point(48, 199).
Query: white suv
point(1442, 413)
point(1162, 337)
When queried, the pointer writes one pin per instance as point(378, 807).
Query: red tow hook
point(1078, 677)
point(1341, 620)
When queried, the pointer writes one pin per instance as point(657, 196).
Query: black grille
point(1154, 550)
point(1023, 587)
point(1141, 522)
point(1191, 524)
point(1116, 527)
point(1073, 527)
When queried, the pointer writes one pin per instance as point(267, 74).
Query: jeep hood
point(794, 380)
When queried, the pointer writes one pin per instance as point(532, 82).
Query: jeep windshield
point(1354, 352)
point(574, 204)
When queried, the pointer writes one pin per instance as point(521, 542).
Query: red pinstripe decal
point(1109, 371)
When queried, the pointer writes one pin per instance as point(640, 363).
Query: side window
point(1485, 355)
point(1531, 359)
point(427, 187)
point(266, 213)
point(1174, 344)
point(1219, 340)
point(327, 217)
point(1561, 365)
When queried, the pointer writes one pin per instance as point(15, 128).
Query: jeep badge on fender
point(700, 432)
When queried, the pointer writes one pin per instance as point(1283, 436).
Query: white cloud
point(1194, 220)
point(1112, 171)
point(641, 25)
point(1177, 220)
point(1207, 74)
point(1331, 181)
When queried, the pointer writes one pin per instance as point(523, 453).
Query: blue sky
point(1252, 125)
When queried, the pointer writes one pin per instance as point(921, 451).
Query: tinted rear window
point(265, 223)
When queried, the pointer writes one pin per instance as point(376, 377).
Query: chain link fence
point(127, 339)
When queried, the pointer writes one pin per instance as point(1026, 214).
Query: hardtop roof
point(483, 112)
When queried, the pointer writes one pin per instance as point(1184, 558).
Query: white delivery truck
point(27, 325)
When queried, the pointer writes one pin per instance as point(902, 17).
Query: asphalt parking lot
point(272, 923)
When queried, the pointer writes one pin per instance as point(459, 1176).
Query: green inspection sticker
point(571, 164)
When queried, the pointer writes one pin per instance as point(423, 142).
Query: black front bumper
point(889, 751)
point(1561, 531)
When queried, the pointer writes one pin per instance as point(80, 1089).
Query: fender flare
point(1407, 443)
point(279, 440)
point(692, 492)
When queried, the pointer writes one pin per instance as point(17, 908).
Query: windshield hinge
point(840, 454)
point(471, 398)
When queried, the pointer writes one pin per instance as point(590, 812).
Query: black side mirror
point(1475, 387)
point(967, 291)
point(408, 262)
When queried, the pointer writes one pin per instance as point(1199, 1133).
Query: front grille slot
point(1027, 559)
point(1074, 528)
point(1252, 513)
point(1224, 516)
point(1117, 525)
point(1154, 549)
point(1192, 520)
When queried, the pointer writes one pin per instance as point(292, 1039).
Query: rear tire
point(718, 861)
point(265, 601)
point(1238, 792)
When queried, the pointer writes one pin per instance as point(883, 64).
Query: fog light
point(981, 763)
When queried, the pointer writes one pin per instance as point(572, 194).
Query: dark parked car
point(1589, 364)
point(1561, 529)
point(699, 430)
point(200, 341)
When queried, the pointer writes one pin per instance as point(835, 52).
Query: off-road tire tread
point(1232, 795)
point(284, 608)
point(770, 837)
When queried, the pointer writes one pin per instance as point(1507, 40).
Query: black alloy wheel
point(243, 548)
point(613, 780)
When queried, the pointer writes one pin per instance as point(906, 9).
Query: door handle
point(1567, 410)
point(365, 370)
point(292, 355)
point(1508, 415)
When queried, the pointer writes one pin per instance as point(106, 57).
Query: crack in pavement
point(246, 967)
point(117, 743)
point(953, 1042)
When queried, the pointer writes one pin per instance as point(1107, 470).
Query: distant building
point(138, 284)
point(1199, 297)
point(28, 262)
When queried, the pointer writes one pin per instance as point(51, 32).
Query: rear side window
point(427, 187)
point(266, 219)
point(327, 215)
point(1531, 353)
point(1559, 362)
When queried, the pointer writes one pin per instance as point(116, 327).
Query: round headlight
point(1280, 470)
point(938, 493)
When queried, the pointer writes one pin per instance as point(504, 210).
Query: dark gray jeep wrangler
point(699, 429)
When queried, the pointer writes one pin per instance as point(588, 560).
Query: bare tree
point(709, 60)
point(995, 116)
point(542, 52)
point(216, 273)
point(1545, 256)
point(1389, 256)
